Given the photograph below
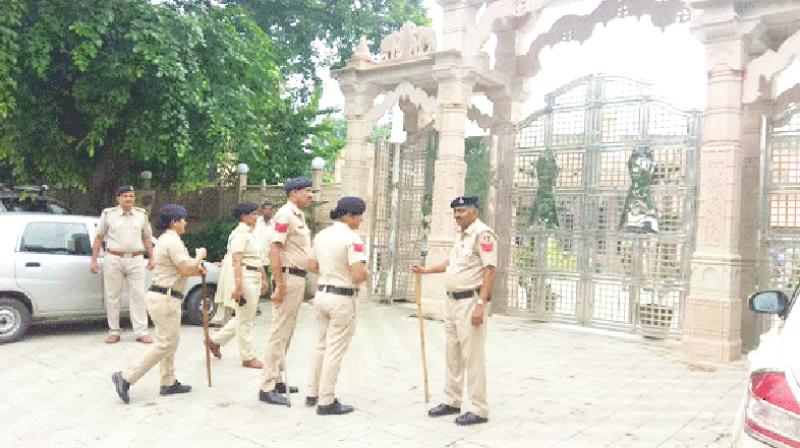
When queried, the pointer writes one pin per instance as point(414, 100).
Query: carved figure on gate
point(639, 212)
point(544, 213)
point(426, 40)
point(390, 46)
point(408, 40)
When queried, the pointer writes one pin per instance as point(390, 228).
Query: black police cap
point(244, 208)
point(298, 183)
point(348, 205)
point(465, 202)
point(124, 189)
point(169, 213)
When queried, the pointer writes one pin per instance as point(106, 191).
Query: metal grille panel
point(588, 270)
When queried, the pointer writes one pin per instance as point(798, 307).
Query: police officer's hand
point(201, 253)
point(477, 316)
point(202, 269)
point(237, 293)
point(151, 264)
point(277, 295)
point(417, 269)
point(94, 268)
point(264, 287)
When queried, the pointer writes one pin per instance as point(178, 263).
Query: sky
point(672, 60)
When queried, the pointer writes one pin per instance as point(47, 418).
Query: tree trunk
point(107, 174)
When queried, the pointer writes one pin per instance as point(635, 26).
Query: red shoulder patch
point(487, 247)
point(487, 243)
point(281, 227)
point(358, 247)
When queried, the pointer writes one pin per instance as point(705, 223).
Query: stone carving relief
point(411, 40)
point(404, 90)
point(766, 66)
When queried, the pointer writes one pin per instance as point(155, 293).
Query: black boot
point(281, 388)
point(334, 408)
point(443, 409)
point(311, 401)
point(273, 397)
point(122, 386)
point(175, 388)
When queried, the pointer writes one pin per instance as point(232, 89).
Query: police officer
point(172, 266)
point(249, 281)
point(469, 276)
point(127, 232)
point(340, 260)
point(289, 256)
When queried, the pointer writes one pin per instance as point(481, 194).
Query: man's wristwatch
point(481, 302)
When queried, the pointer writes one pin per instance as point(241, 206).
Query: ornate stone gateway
point(780, 208)
point(403, 181)
point(605, 185)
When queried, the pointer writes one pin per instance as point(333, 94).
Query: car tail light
point(773, 413)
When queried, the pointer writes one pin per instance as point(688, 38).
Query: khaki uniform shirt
point(168, 254)
point(473, 250)
point(124, 231)
point(243, 240)
point(336, 248)
point(263, 232)
point(290, 229)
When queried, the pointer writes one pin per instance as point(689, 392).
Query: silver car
point(44, 274)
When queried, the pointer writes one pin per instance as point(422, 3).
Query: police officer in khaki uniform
point(469, 275)
point(340, 259)
point(172, 266)
point(289, 256)
point(263, 231)
point(249, 281)
point(127, 232)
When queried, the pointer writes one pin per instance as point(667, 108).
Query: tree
point(479, 169)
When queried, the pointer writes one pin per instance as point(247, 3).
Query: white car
point(44, 274)
point(770, 412)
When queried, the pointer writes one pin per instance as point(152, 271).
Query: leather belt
point(124, 254)
point(166, 291)
point(251, 268)
point(463, 294)
point(337, 290)
point(295, 271)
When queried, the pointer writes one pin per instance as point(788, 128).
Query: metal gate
point(592, 246)
point(402, 187)
point(779, 266)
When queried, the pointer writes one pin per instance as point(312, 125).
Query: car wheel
point(194, 305)
point(15, 318)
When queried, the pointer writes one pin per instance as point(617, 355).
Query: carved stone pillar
point(713, 317)
point(454, 97)
point(456, 16)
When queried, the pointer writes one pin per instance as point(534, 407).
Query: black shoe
point(273, 397)
point(469, 418)
point(443, 409)
point(175, 388)
point(334, 408)
point(281, 388)
point(122, 386)
point(311, 401)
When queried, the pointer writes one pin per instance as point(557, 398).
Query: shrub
point(213, 236)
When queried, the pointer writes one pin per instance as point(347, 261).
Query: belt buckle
point(169, 292)
point(127, 255)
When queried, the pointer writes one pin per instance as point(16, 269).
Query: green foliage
point(480, 174)
point(213, 236)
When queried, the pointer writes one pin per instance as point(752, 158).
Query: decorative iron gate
point(779, 266)
point(592, 247)
point(402, 188)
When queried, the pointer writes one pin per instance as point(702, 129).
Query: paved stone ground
point(549, 386)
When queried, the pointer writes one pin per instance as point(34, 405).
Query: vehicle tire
point(194, 305)
point(15, 318)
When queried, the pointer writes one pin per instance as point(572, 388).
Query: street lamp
point(241, 170)
point(146, 176)
point(317, 165)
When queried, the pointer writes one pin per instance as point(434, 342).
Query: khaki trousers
point(166, 314)
point(465, 350)
point(131, 272)
point(241, 325)
point(336, 319)
point(284, 319)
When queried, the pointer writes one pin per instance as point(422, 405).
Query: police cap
point(465, 202)
point(244, 208)
point(348, 205)
point(298, 183)
point(124, 189)
point(169, 213)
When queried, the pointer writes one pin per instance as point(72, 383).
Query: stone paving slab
point(549, 386)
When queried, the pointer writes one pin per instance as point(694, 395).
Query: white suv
point(44, 274)
point(770, 412)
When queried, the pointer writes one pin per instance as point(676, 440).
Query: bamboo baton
point(205, 327)
point(418, 292)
